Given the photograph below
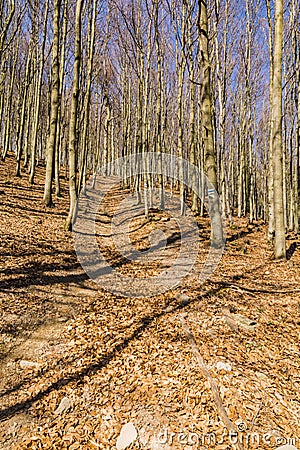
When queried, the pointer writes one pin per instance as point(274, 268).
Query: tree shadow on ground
point(291, 250)
point(239, 235)
point(142, 324)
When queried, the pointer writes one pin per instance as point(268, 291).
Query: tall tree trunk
point(217, 237)
point(59, 131)
point(7, 139)
point(180, 106)
point(37, 103)
point(159, 105)
point(3, 33)
point(87, 97)
point(296, 180)
point(279, 241)
point(22, 123)
point(73, 119)
point(50, 152)
point(270, 174)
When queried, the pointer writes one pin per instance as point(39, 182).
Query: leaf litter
point(122, 360)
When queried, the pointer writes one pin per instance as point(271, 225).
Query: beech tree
point(279, 241)
point(38, 92)
point(217, 237)
point(51, 141)
point(196, 79)
point(73, 118)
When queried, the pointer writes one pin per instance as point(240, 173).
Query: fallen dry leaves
point(100, 361)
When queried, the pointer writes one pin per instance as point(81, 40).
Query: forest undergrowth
point(77, 363)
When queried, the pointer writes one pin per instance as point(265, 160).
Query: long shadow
point(34, 276)
point(291, 250)
point(34, 273)
point(21, 247)
point(146, 321)
point(38, 247)
point(9, 185)
point(175, 237)
point(22, 253)
point(90, 370)
point(48, 212)
point(239, 235)
point(33, 198)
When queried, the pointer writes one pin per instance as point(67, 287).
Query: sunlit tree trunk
point(86, 107)
point(180, 106)
point(37, 102)
point(11, 8)
point(73, 118)
point(51, 142)
point(270, 177)
point(159, 104)
point(7, 132)
point(61, 107)
point(297, 160)
point(217, 238)
point(221, 79)
point(296, 168)
point(22, 122)
point(279, 241)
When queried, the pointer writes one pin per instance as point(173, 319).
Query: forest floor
point(77, 362)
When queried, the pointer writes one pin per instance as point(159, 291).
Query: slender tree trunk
point(59, 137)
point(159, 106)
point(73, 120)
point(279, 241)
point(11, 7)
point(270, 174)
point(22, 123)
point(296, 180)
point(217, 237)
point(50, 152)
point(180, 107)
point(7, 139)
point(38, 100)
point(28, 124)
point(81, 181)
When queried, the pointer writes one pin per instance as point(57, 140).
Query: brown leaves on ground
point(125, 360)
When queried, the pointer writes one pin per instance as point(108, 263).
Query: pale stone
point(29, 364)
point(223, 366)
point(64, 406)
point(127, 436)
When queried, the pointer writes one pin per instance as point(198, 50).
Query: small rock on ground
point(29, 364)
point(64, 406)
point(127, 436)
